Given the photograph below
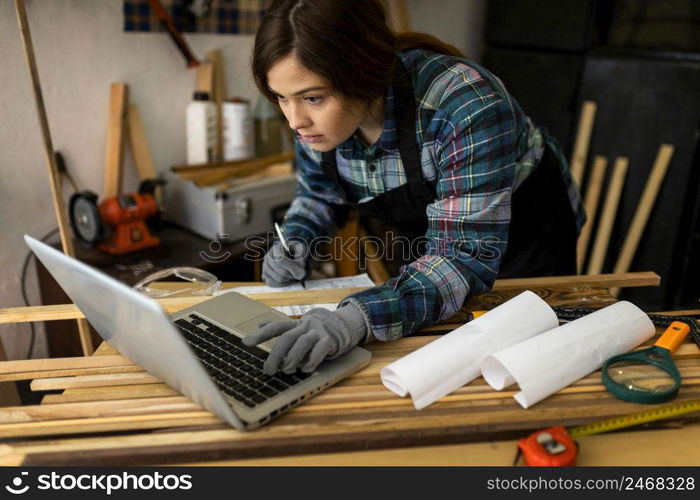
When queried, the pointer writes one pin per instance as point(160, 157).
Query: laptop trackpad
point(251, 326)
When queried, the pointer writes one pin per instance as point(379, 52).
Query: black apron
point(542, 232)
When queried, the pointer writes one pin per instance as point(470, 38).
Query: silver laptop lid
point(136, 326)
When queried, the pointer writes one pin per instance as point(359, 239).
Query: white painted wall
point(459, 22)
point(80, 49)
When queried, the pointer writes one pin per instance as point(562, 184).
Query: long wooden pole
point(643, 211)
point(607, 218)
point(57, 198)
point(583, 139)
point(595, 185)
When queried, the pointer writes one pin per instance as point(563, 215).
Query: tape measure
point(556, 446)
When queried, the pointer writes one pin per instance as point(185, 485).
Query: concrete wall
point(80, 49)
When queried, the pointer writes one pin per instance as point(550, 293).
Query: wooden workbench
point(110, 412)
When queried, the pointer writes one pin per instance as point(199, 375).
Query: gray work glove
point(303, 343)
point(281, 269)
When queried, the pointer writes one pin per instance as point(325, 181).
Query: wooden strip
point(595, 185)
point(618, 449)
point(171, 305)
point(104, 424)
point(205, 78)
point(50, 384)
point(607, 218)
point(641, 215)
point(398, 15)
point(54, 176)
point(583, 139)
point(219, 96)
point(603, 280)
point(139, 145)
point(209, 174)
point(38, 365)
point(69, 373)
point(114, 149)
point(92, 409)
point(110, 393)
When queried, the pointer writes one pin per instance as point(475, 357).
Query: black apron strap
point(405, 113)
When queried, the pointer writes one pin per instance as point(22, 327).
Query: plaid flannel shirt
point(477, 146)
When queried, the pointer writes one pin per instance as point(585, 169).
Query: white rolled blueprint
point(446, 364)
point(555, 359)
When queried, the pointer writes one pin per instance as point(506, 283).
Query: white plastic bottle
point(201, 129)
point(238, 130)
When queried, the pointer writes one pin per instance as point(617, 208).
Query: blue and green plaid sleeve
point(311, 213)
point(468, 222)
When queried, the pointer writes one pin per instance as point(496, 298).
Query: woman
point(409, 133)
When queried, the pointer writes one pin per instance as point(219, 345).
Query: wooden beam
point(641, 214)
point(607, 218)
point(595, 185)
point(50, 156)
point(583, 139)
point(218, 97)
point(208, 174)
point(114, 150)
point(139, 145)
point(205, 78)
point(397, 12)
point(174, 304)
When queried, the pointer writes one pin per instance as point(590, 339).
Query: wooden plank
point(641, 214)
point(49, 154)
point(38, 365)
point(607, 218)
point(397, 12)
point(205, 78)
point(103, 424)
point(208, 174)
point(218, 97)
point(93, 409)
point(595, 185)
point(110, 393)
point(581, 283)
point(50, 384)
point(63, 367)
point(583, 139)
point(114, 149)
point(139, 145)
point(617, 449)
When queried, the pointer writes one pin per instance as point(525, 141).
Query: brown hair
point(348, 43)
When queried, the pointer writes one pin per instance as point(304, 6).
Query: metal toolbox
point(228, 212)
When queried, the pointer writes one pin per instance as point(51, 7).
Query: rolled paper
point(446, 364)
point(547, 363)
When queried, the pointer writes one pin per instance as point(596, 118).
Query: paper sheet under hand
point(454, 359)
point(555, 359)
point(304, 308)
point(322, 284)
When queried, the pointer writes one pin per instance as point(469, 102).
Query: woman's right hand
point(281, 269)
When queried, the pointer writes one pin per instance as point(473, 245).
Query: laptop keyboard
point(234, 367)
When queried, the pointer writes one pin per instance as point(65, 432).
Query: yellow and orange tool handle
point(674, 336)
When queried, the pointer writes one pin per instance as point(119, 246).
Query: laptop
point(196, 351)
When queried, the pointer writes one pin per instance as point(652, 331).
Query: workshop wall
point(80, 50)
